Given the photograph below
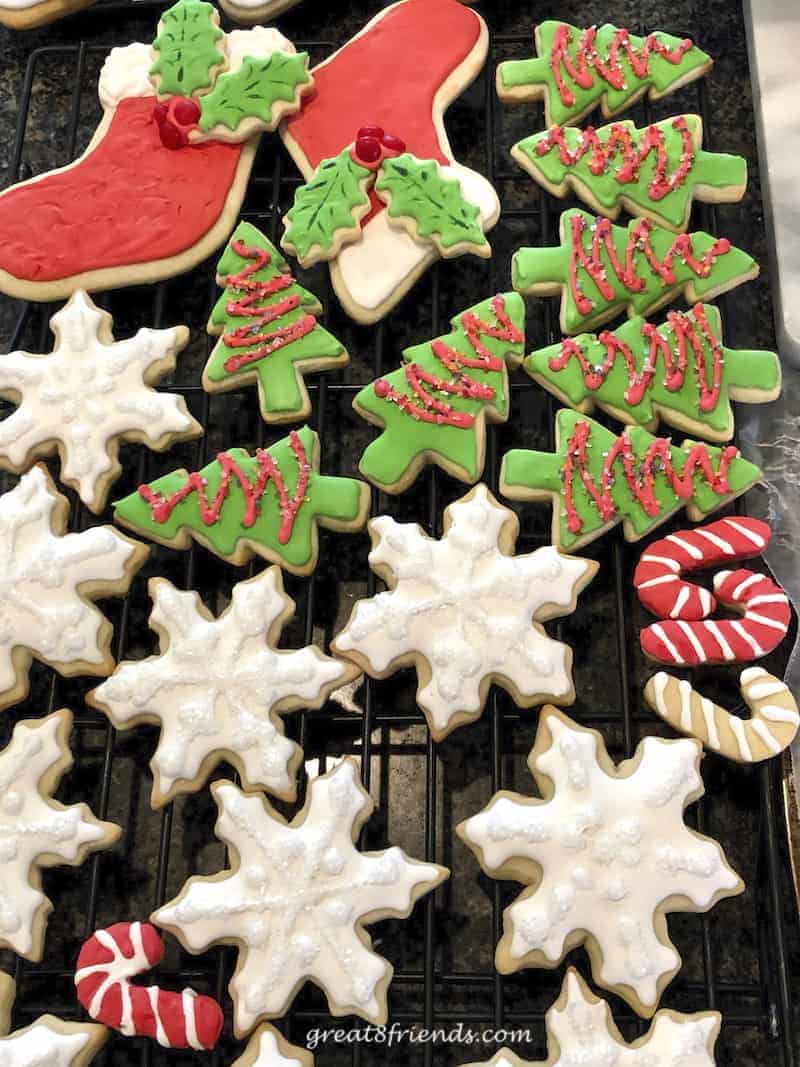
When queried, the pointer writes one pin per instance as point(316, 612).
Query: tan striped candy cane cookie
point(771, 728)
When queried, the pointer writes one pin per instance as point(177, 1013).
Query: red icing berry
point(171, 136)
point(160, 114)
point(370, 131)
point(187, 112)
point(382, 387)
point(393, 144)
point(368, 149)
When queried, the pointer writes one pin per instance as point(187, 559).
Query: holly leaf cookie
point(188, 51)
point(219, 687)
point(601, 270)
point(654, 172)
point(596, 479)
point(575, 70)
point(605, 856)
point(268, 504)
point(466, 612)
point(36, 831)
point(297, 898)
point(268, 329)
point(89, 394)
point(269, 1048)
point(49, 578)
point(678, 371)
point(256, 96)
point(580, 1029)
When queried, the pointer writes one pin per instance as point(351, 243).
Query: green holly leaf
point(255, 90)
point(187, 48)
point(327, 210)
point(418, 190)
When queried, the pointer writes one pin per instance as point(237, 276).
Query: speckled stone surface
point(737, 942)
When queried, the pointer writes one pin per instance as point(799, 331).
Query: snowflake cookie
point(606, 855)
point(297, 898)
point(219, 686)
point(87, 395)
point(48, 1042)
point(580, 1030)
point(47, 580)
point(466, 612)
point(268, 1048)
point(36, 831)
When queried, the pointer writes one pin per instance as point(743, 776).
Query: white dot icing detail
point(303, 920)
point(467, 608)
point(625, 838)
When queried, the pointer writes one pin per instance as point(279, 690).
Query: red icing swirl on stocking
point(639, 473)
point(621, 142)
point(260, 343)
point(589, 63)
point(675, 356)
point(428, 408)
point(638, 243)
point(268, 473)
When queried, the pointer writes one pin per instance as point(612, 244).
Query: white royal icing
point(88, 392)
point(467, 608)
point(216, 687)
point(41, 608)
point(297, 899)
point(611, 850)
point(264, 1051)
point(32, 825)
point(42, 1046)
point(126, 73)
point(258, 42)
point(373, 268)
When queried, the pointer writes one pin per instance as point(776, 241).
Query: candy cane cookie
point(657, 578)
point(771, 728)
point(106, 964)
point(766, 616)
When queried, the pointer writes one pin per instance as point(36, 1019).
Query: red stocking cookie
point(107, 962)
point(398, 76)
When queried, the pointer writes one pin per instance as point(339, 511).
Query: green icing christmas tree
point(600, 268)
point(656, 170)
point(578, 69)
point(434, 407)
point(187, 49)
point(597, 479)
point(679, 371)
point(268, 327)
point(267, 504)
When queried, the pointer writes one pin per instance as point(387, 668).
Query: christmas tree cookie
point(653, 172)
point(268, 504)
point(678, 371)
point(575, 70)
point(601, 269)
point(435, 407)
point(596, 479)
point(269, 333)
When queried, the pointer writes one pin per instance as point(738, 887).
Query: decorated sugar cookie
point(678, 371)
point(48, 1042)
point(596, 479)
point(268, 504)
point(37, 831)
point(434, 409)
point(575, 70)
point(601, 270)
point(770, 729)
point(268, 330)
point(606, 855)
point(219, 687)
point(654, 172)
point(249, 11)
point(49, 580)
point(161, 183)
point(297, 899)
point(466, 612)
point(268, 1048)
point(580, 1029)
point(88, 395)
point(383, 95)
point(107, 962)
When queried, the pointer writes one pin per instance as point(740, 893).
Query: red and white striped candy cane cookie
point(107, 962)
point(657, 578)
point(766, 617)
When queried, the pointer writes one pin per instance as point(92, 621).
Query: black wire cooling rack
point(740, 958)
